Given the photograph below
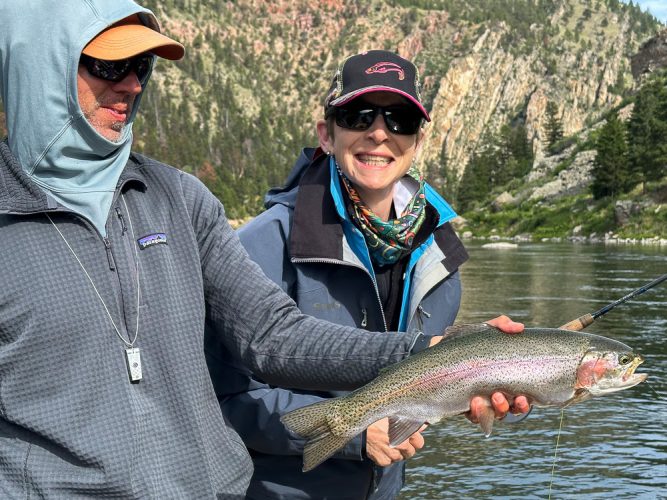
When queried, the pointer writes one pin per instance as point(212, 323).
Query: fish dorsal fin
point(462, 330)
point(401, 428)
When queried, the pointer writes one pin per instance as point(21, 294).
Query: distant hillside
point(247, 96)
point(237, 110)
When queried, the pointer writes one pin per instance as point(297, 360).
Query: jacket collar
point(316, 214)
point(20, 195)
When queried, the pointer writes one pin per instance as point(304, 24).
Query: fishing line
point(553, 466)
point(653, 390)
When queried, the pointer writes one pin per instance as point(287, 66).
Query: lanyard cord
point(136, 259)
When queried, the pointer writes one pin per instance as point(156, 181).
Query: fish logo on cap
point(386, 67)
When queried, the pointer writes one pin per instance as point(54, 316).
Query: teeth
point(376, 161)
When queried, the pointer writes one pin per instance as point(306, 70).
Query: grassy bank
point(638, 214)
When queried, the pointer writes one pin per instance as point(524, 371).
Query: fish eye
point(624, 359)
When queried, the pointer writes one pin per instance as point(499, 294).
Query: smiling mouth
point(374, 160)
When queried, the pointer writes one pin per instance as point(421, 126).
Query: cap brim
point(339, 101)
point(129, 40)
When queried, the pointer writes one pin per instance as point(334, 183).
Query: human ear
point(326, 141)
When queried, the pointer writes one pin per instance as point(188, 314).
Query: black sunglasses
point(115, 71)
point(400, 119)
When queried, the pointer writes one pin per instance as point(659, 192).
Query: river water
point(614, 446)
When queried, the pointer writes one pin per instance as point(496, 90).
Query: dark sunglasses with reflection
point(115, 71)
point(402, 119)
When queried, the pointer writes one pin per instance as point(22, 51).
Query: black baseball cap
point(375, 71)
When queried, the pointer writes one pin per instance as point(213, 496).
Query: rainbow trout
point(551, 367)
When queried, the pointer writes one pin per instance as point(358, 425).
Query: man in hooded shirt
point(111, 263)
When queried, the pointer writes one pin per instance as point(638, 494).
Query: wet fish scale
point(543, 364)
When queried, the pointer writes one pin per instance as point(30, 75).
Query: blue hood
point(40, 45)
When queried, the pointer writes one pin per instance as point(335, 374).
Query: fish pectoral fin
point(321, 447)
point(401, 428)
point(486, 419)
point(579, 396)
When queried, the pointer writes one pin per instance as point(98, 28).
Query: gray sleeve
point(254, 410)
point(251, 406)
point(258, 323)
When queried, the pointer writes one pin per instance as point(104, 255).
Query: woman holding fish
point(358, 238)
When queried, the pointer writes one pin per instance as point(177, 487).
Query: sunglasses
point(115, 71)
point(400, 119)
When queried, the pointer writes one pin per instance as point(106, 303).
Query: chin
point(114, 134)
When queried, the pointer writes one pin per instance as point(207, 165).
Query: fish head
point(603, 372)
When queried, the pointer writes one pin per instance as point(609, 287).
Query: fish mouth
point(624, 380)
point(630, 378)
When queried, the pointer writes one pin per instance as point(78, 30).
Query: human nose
point(128, 85)
point(378, 131)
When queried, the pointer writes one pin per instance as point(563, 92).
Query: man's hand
point(501, 406)
point(505, 324)
point(378, 449)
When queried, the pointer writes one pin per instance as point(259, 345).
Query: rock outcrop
point(652, 55)
point(573, 180)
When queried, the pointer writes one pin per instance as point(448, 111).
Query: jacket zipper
point(421, 312)
point(107, 245)
point(122, 220)
point(343, 263)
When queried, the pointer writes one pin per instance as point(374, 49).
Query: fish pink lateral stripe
point(473, 369)
point(482, 368)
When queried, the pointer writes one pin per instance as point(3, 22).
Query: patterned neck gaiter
point(387, 241)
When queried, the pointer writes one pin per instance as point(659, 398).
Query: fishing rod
point(585, 320)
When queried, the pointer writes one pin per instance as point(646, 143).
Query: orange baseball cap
point(131, 37)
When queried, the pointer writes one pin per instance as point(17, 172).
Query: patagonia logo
point(386, 67)
point(151, 240)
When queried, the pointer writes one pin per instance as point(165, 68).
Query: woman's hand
point(378, 449)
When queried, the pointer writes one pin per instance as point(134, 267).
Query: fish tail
point(311, 423)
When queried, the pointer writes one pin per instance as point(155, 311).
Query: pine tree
point(554, 125)
point(647, 132)
point(475, 183)
point(517, 152)
point(611, 173)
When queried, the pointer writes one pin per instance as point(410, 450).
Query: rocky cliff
point(493, 85)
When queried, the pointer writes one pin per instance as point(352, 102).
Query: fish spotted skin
point(551, 367)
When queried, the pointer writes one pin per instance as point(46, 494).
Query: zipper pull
point(107, 245)
point(420, 317)
point(421, 309)
point(364, 318)
point(122, 220)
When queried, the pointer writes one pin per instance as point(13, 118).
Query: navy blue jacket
point(306, 243)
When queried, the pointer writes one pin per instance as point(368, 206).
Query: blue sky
point(656, 7)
